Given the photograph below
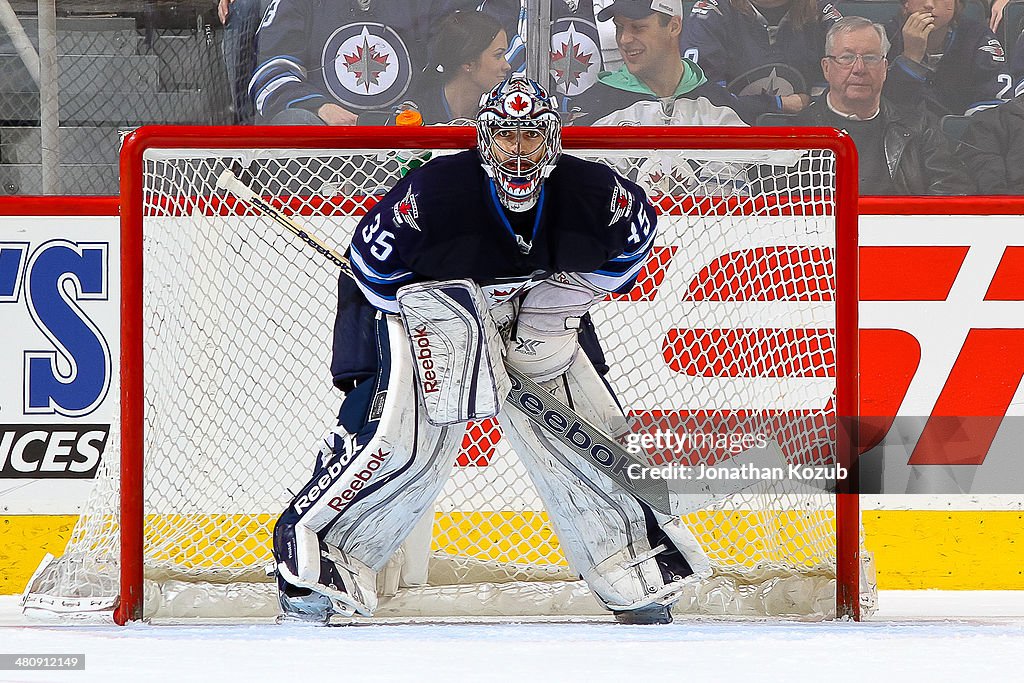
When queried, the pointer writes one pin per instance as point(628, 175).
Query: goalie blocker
point(380, 470)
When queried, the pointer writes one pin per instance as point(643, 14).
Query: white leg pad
point(591, 399)
point(601, 527)
point(362, 505)
point(687, 544)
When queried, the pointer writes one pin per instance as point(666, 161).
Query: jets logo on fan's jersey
point(622, 203)
point(575, 56)
point(830, 13)
point(769, 79)
point(366, 65)
point(407, 211)
point(995, 49)
point(705, 7)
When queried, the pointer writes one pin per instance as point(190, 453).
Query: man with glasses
point(901, 150)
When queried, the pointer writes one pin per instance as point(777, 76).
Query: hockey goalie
point(486, 257)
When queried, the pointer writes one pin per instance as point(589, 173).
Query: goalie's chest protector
point(461, 231)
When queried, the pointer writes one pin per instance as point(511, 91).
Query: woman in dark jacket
point(468, 57)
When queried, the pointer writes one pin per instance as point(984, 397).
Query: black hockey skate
point(651, 614)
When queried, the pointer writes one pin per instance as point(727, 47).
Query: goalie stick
point(540, 406)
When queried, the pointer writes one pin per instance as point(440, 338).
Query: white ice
point(916, 636)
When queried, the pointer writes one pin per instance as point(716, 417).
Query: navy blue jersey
point(577, 56)
point(1017, 65)
point(443, 221)
point(971, 74)
point(315, 52)
point(729, 44)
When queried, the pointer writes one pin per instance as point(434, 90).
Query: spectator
point(765, 51)
point(953, 63)
point(328, 61)
point(240, 19)
point(900, 150)
point(469, 51)
point(1017, 64)
point(992, 148)
point(655, 85)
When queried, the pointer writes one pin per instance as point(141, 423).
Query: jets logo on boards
point(575, 56)
point(995, 49)
point(407, 211)
point(366, 65)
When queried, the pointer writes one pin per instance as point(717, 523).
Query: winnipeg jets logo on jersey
point(622, 203)
point(575, 56)
point(508, 288)
point(769, 79)
point(366, 65)
point(830, 13)
point(705, 7)
point(995, 49)
point(407, 211)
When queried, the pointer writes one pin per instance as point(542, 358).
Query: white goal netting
point(730, 329)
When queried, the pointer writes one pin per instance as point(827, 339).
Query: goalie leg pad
point(456, 350)
point(306, 562)
point(585, 389)
point(604, 531)
point(370, 491)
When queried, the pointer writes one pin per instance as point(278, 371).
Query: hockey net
point(742, 322)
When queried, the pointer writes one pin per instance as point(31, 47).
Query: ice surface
point(906, 644)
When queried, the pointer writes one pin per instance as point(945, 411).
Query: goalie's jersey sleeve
point(443, 221)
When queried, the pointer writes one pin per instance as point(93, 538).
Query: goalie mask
point(519, 135)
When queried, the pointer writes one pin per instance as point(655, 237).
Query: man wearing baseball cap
point(638, 9)
point(655, 85)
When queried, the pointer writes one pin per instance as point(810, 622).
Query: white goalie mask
point(519, 136)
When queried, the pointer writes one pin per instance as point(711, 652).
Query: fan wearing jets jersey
point(334, 61)
point(493, 252)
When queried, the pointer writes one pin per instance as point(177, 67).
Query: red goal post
point(133, 359)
